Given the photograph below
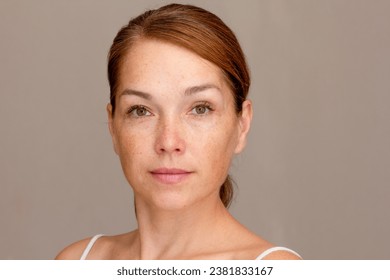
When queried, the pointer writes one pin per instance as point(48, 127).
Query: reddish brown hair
point(196, 30)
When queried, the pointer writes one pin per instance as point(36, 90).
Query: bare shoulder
point(259, 248)
point(104, 248)
point(252, 246)
point(73, 251)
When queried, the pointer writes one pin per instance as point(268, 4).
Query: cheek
point(129, 145)
point(133, 148)
point(133, 138)
point(217, 146)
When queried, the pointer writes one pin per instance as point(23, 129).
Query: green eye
point(138, 111)
point(141, 111)
point(202, 109)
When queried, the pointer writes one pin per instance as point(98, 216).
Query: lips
point(170, 175)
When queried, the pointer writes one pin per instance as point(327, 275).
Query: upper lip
point(165, 170)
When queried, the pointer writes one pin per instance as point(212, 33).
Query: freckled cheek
point(133, 147)
point(215, 162)
point(217, 149)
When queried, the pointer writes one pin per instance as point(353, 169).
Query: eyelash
point(132, 110)
point(204, 104)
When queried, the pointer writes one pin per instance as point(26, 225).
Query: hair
point(194, 29)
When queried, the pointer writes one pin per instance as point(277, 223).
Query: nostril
point(169, 137)
point(171, 144)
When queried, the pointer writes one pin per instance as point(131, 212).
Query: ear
point(244, 123)
point(111, 127)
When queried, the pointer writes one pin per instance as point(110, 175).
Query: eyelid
point(130, 111)
point(205, 104)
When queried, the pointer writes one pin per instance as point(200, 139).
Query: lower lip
point(169, 178)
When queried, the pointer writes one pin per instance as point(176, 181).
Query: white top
point(274, 249)
point(89, 246)
point(260, 257)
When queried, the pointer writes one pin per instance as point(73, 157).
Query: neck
point(180, 233)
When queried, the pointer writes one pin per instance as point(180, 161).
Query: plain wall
point(315, 174)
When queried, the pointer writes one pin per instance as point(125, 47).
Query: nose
point(170, 137)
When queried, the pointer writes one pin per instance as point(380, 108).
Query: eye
point(202, 109)
point(138, 111)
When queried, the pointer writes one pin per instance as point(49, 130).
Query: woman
point(178, 113)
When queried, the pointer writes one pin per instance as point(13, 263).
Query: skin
point(176, 110)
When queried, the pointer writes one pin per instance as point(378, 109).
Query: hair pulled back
point(197, 30)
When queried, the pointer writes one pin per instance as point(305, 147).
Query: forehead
point(153, 63)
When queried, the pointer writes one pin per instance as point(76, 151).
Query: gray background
point(314, 177)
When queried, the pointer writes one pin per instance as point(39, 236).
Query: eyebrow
point(200, 88)
point(137, 93)
point(189, 91)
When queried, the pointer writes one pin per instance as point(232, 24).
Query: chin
point(173, 197)
point(172, 202)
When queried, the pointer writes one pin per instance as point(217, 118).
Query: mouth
point(170, 175)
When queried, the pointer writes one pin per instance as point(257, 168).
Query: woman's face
point(175, 128)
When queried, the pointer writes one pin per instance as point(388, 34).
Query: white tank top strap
point(89, 246)
point(274, 249)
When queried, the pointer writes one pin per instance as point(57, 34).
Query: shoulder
point(104, 248)
point(251, 246)
point(279, 253)
point(73, 251)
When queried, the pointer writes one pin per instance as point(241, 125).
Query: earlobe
point(244, 125)
point(111, 127)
